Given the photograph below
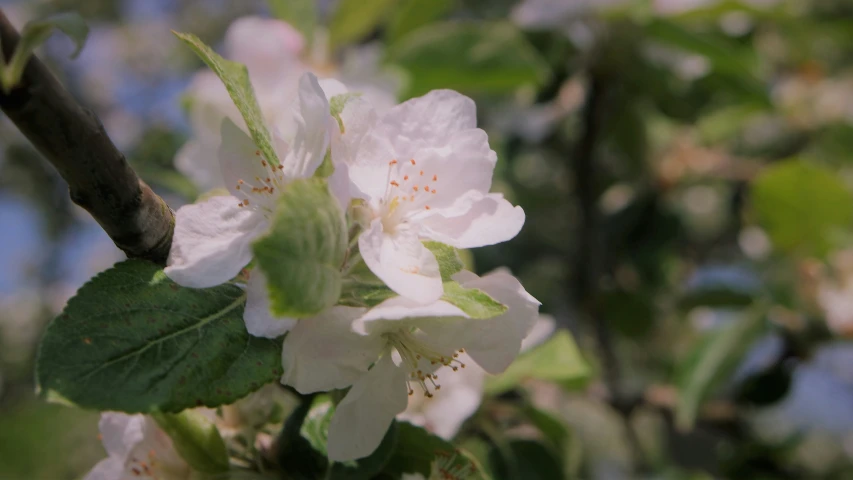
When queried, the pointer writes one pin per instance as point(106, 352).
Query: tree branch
point(99, 178)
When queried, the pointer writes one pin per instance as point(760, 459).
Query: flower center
point(259, 194)
point(421, 360)
point(147, 468)
point(410, 189)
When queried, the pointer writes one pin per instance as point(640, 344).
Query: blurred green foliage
point(680, 164)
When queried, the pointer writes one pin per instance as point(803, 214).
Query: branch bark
point(99, 178)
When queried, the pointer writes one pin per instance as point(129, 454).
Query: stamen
point(392, 162)
point(394, 182)
point(413, 161)
point(435, 178)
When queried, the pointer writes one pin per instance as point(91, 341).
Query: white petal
point(364, 415)
point(111, 468)
point(332, 87)
point(488, 221)
point(495, 342)
point(197, 160)
point(270, 49)
point(463, 162)
point(120, 432)
point(366, 155)
point(323, 353)
point(402, 262)
point(428, 120)
point(212, 242)
point(460, 396)
point(400, 308)
point(540, 332)
point(260, 322)
point(307, 130)
point(238, 157)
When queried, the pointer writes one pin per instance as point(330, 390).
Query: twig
point(99, 179)
point(587, 264)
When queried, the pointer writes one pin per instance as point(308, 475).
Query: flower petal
point(323, 353)
point(365, 154)
point(260, 322)
point(402, 262)
point(212, 242)
point(391, 311)
point(120, 432)
point(495, 342)
point(428, 120)
point(269, 48)
point(488, 221)
point(460, 396)
point(364, 415)
point(238, 157)
point(307, 130)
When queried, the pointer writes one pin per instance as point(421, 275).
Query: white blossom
point(137, 449)
point(462, 392)
point(212, 240)
point(424, 171)
point(395, 350)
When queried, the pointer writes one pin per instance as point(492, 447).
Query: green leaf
point(196, 439)
point(470, 57)
point(418, 451)
point(551, 427)
point(448, 259)
point(315, 430)
point(134, 341)
point(354, 19)
point(713, 360)
point(302, 254)
point(36, 33)
point(476, 303)
point(801, 206)
point(300, 14)
point(235, 77)
point(525, 459)
point(413, 14)
point(558, 360)
point(738, 65)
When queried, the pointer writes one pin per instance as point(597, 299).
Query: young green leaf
point(315, 430)
point(470, 57)
point(132, 340)
point(801, 206)
point(196, 439)
point(354, 19)
point(448, 259)
point(474, 302)
point(301, 14)
point(235, 77)
point(302, 254)
point(419, 451)
point(557, 360)
point(412, 14)
point(716, 357)
point(33, 35)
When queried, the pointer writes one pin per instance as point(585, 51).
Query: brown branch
point(99, 179)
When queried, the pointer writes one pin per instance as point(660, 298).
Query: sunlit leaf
point(235, 77)
point(302, 253)
point(470, 57)
point(802, 207)
point(557, 360)
point(134, 341)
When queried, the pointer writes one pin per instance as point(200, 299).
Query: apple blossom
point(424, 171)
point(137, 449)
point(271, 51)
point(389, 351)
point(212, 239)
point(462, 392)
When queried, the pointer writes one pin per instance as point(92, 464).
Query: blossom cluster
point(403, 177)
